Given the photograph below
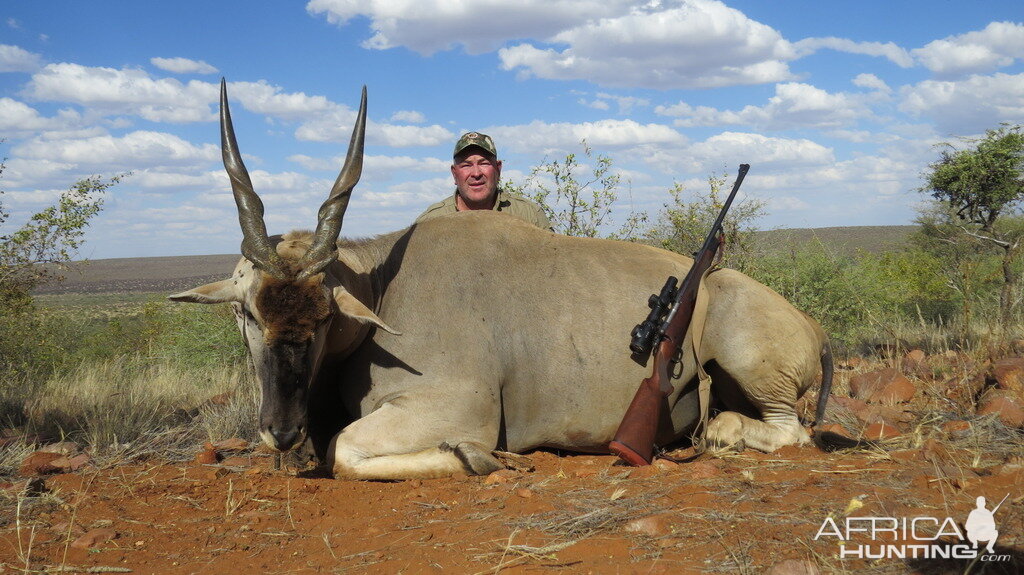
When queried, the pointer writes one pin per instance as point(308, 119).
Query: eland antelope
point(512, 338)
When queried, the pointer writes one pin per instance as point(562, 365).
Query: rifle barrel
point(728, 202)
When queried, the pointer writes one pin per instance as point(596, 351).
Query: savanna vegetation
point(122, 371)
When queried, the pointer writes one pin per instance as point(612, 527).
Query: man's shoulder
point(527, 209)
point(436, 209)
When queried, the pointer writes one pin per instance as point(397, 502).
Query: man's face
point(476, 176)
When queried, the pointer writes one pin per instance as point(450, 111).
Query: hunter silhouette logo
point(917, 537)
point(981, 524)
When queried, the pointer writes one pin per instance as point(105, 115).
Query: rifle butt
point(634, 440)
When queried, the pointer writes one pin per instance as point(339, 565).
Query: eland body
point(512, 338)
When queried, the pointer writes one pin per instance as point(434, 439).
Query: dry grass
point(586, 512)
point(131, 408)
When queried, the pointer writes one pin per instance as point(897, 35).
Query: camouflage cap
point(482, 141)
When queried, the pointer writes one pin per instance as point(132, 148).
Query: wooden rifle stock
point(634, 440)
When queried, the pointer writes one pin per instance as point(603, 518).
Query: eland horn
point(256, 246)
point(324, 249)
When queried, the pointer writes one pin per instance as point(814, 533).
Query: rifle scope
point(645, 333)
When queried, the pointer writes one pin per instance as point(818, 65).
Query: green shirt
point(506, 203)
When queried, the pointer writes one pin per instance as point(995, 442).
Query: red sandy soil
point(572, 514)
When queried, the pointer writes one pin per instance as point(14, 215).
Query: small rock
point(666, 464)
point(884, 414)
point(214, 473)
point(61, 447)
point(66, 528)
point(206, 457)
point(835, 428)
point(233, 444)
point(585, 472)
point(1009, 373)
point(1007, 407)
point(848, 403)
point(524, 493)
point(962, 390)
point(70, 464)
point(886, 386)
point(794, 567)
point(936, 451)
point(499, 477)
point(652, 525)
point(94, 537)
point(703, 470)
point(956, 428)
point(881, 431)
point(39, 463)
point(915, 356)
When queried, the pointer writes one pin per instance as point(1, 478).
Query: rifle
point(634, 440)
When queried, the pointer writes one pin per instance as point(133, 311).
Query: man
point(477, 172)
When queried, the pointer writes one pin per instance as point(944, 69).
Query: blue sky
point(837, 106)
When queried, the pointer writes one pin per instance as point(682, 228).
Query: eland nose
point(285, 439)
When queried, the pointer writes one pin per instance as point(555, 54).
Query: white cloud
point(969, 106)
point(625, 103)
point(787, 204)
point(183, 66)
point(375, 167)
point(768, 154)
point(417, 193)
point(871, 82)
point(428, 26)
point(699, 44)
point(793, 105)
point(997, 46)
point(595, 104)
point(160, 179)
point(887, 50)
point(263, 98)
point(17, 117)
point(408, 116)
point(409, 136)
point(136, 150)
point(547, 137)
point(36, 173)
point(110, 91)
point(15, 59)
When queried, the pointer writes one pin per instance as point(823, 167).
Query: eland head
point(290, 294)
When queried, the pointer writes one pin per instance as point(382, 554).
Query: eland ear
point(348, 305)
point(217, 292)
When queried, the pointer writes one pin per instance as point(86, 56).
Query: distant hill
point(143, 275)
point(841, 240)
point(176, 273)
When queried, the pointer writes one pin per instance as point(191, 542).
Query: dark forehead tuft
point(291, 310)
